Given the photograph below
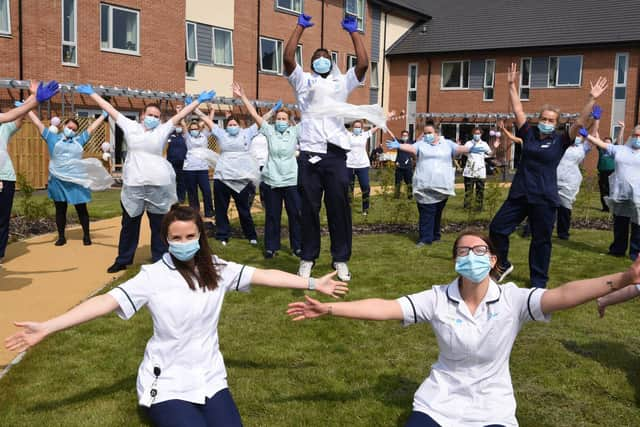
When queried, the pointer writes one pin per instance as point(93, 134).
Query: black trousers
point(469, 183)
point(564, 222)
point(130, 236)
point(328, 177)
point(273, 198)
point(61, 217)
point(603, 183)
point(222, 195)
point(403, 175)
point(6, 203)
point(626, 234)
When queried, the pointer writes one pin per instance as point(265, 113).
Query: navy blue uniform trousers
point(6, 202)
point(273, 197)
point(429, 218)
point(330, 177)
point(420, 419)
point(130, 235)
point(222, 195)
point(622, 239)
point(217, 411)
point(195, 180)
point(542, 219)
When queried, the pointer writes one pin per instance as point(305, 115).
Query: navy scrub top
point(536, 180)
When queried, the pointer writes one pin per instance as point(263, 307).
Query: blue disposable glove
point(85, 89)
point(597, 112)
point(47, 92)
point(105, 114)
point(477, 150)
point(305, 21)
point(188, 100)
point(583, 132)
point(18, 103)
point(393, 144)
point(206, 96)
point(277, 106)
point(350, 24)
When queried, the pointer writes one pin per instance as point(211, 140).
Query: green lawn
point(577, 370)
point(104, 204)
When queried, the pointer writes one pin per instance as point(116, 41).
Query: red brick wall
point(9, 67)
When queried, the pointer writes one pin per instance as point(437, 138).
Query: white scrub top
point(236, 167)
point(358, 157)
point(475, 166)
point(470, 384)
point(194, 162)
point(259, 149)
point(7, 173)
point(310, 88)
point(569, 174)
point(624, 183)
point(184, 344)
point(434, 178)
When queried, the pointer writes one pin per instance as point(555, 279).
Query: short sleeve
point(418, 308)
point(126, 124)
point(612, 149)
point(50, 138)
point(528, 303)
point(352, 79)
point(218, 132)
point(250, 132)
point(523, 131)
point(133, 294)
point(266, 129)
point(296, 79)
point(234, 277)
point(453, 146)
point(83, 138)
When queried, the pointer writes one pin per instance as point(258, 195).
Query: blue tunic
point(57, 189)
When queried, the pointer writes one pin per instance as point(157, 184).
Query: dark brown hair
point(495, 271)
point(228, 119)
point(204, 271)
point(286, 111)
point(154, 105)
point(74, 121)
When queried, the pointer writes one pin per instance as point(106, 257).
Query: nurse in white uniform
point(182, 380)
point(358, 161)
point(476, 322)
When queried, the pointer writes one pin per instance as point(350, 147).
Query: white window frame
point(213, 46)
point(626, 75)
point(522, 85)
point(335, 57)
point(110, 47)
point(352, 60)
point(485, 86)
point(558, 71)
point(299, 56)
point(461, 62)
point(409, 88)
point(195, 39)
point(279, 52)
point(286, 9)
point(374, 72)
point(8, 32)
point(359, 17)
point(75, 33)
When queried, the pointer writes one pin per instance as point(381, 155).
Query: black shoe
point(270, 254)
point(116, 267)
point(298, 253)
point(86, 240)
point(615, 254)
point(563, 237)
point(61, 241)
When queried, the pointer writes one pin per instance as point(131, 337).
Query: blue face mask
point(476, 137)
point(546, 128)
point(357, 131)
point(184, 251)
point(178, 130)
point(635, 142)
point(233, 130)
point(282, 125)
point(194, 133)
point(429, 138)
point(473, 267)
point(68, 133)
point(577, 141)
point(322, 65)
point(151, 122)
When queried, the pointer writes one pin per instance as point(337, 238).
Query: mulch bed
point(21, 228)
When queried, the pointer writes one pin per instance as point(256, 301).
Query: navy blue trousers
point(330, 177)
point(222, 195)
point(195, 180)
point(130, 235)
point(564, 222)
point(217, 411)
point(541, 220)
point(420, 419)
point(6, 202)
point(180, 184)
point(406, 176)
point(363, 181)
point(273, 197)
point(429, 218)
point(623, 240)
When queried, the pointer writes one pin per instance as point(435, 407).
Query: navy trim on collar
point(497, 299)
point(166, 259)
point(449, 296)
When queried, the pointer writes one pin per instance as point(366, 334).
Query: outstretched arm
point(39, 93)
point(281, 279)
point(239, 92)
point(350, 24)
point(205, 118)
point(617, 297)
point(395, 145)
point(366, 309)
point(596, 90)
point(97, 122)
point(514, 95)
point(596, 141)
point(34, 332)
point(289, 57)
point(188, 109)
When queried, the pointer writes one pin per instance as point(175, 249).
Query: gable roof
point(416, 9)
point(467, 25)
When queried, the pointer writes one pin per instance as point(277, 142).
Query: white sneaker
point(305, 269)
point(343, 271)
point(253, 242)
point(223, 242)
point(505, 273)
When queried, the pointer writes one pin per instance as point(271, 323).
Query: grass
point(578, 370)
point(104, 204)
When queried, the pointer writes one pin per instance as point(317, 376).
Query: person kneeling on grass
point(476, 323)
point(182, 378)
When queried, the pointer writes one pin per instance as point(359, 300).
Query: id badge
point(314, 159)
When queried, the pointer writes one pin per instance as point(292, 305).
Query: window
point(5, 17)
point(455, 75)
point(69, 32)
point(334, 57)
point(413, 83)
point(192, 42)
point(565, 70)
point(355, 8)
point(351, 61)
point(270, 55)
point(616, 135)
point(374, 75)
point(525, 78)
point(119, 29)
point(222, 47)
point(489, 75)
point(620, 87)
point(290, 5)
point(299, 55)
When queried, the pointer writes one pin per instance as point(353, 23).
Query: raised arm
point(508, 134)
point(102, 103)
point(514, 95)
point(596, 90)
point(366, 309)
point(350, 24)
point(97, 122)
point(239, 92)
point(34, 332)
point(281, 279)
point(580, 291)
point(205, 118)
point(289, 57)
point(36, 121)
point(620, 139)
point(205, 96)
point(594, 140)
point(39, 93)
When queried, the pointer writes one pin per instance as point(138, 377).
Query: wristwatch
point(312, 283)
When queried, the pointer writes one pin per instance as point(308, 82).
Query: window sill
point(271, 73)
point(120, 51)
point(190, 78)
point(286, 11)
point(455, 88)
point(70, 64)
point(6, 35)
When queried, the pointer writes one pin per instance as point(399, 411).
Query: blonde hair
point(549, 107)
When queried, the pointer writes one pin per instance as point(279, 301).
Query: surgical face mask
point(194, 133)
point(473, 267)
point(357, 131)
point(476, 137)
point(321, 65)
point(53, 129)
point(282, 125)
point(68, 133)
point(151, 122)
point(404, 138)
point(635, 142)
point(178, 130)
point(429, 138)
point(184, 251)
point(577, 141)
point(233, 130)
point(546, 128)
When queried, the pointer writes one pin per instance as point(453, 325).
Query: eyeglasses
point(478, 250)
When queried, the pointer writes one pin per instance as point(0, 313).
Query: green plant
point(31, 208)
